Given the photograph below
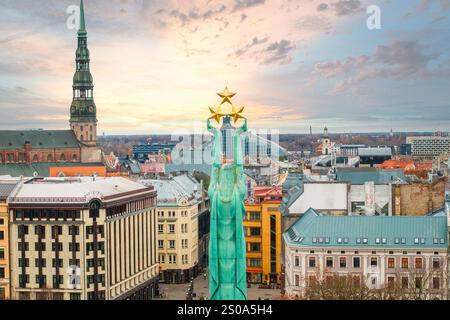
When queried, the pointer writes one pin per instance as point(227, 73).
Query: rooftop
point(316, 230)
point(363, 175)
point(38, 169)
point(38, 139)
point(6, 189)
point(181, 190)
point(76, 190)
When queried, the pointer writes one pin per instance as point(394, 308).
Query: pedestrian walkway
point(201, 290)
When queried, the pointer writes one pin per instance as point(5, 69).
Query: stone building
point(379, 252)
point(178, 205)
point(418, 198)
point(83, 239)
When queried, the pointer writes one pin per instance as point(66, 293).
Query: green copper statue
point(227, 260)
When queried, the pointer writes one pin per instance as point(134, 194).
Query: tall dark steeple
point(83, 112)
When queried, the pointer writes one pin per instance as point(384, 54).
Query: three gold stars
point(218, 113)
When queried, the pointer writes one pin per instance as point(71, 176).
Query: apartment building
point(83, 239)
point(377, 251)
point(178, 204)
point(6, 187)
point(262, 230)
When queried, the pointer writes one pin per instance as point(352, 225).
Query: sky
point(157, 64)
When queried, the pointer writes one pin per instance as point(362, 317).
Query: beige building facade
point(83, 239)
point(178, 205)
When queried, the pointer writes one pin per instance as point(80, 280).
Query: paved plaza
point(178, 291)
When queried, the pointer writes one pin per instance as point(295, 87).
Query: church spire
point(83, 112)
point(82, 29)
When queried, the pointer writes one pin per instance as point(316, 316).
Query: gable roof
point(314, 229)
point(38, 139)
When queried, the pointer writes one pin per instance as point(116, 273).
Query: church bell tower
point(83, 112)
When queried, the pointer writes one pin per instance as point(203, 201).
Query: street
point(178, 291)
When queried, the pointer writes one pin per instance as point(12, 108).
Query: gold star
point(216, 114)
point(226, 95)
point(236, 114)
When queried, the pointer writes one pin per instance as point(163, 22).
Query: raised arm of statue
point(238, 154)
point(217, 144)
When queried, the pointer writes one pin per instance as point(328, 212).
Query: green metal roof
point(42, 169)
point(82, 29)
point(363, 175)
point(39, 139)
point(316, 230)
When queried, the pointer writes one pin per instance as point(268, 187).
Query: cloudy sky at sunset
point(157, 64)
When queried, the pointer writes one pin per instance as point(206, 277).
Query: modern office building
point(429, 146)
point(380, 252)
point(178, 204)
point(83, 239)
point(262, 230)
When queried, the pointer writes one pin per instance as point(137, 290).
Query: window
point(2, 235)
point(343, 262)
point(2, 222)
point(56, 230)
point(255, 232)
point(373, 262)
point(75, 296)
point(172, 244)
point(329, 262)
point(57, 263)
point(171, 228)
point(391, 263)
point(405, 263)
point(391, 282)
point(74, 247)
point(356, 262)
point(63, 157)
point(23, 263)
point(418, 283)
point(2, 253)
point(436, 283)
point(255, 262)
point(312, 262)
point(297, 280)
point(297, 261)
point(405, 282)
point(2, 273)
point(255, 216)
point(160, 228)
point(161, 244)
point(419, 263)
point(40, 263)
point(436, 263)
point(74, 230)
point(49, 158)
point(161, 258)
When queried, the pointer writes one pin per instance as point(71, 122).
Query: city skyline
point(314, 63)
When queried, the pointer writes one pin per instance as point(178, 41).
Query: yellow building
point(262, 229)
point(5, 190)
